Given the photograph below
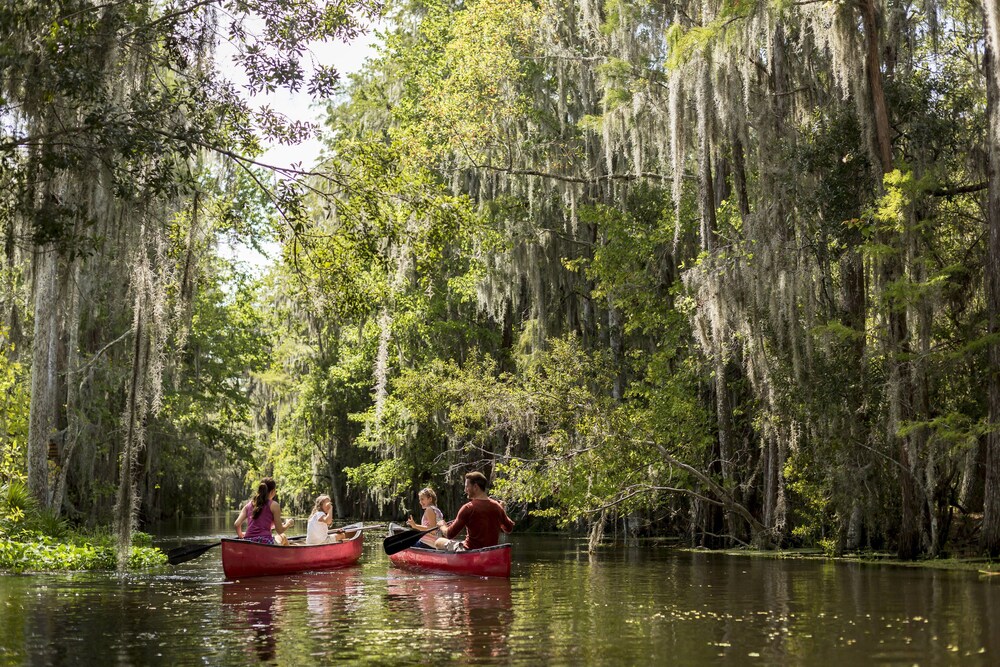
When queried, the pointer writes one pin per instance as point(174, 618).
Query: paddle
point(357, 528)
point(189, 552)
point(401, 541)
point(351, 528)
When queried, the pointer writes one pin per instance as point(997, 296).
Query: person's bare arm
point(426, 521)
point(279, 525)
point(506, 524)
point(239, 522)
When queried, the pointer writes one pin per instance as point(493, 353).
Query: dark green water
point(561, 606)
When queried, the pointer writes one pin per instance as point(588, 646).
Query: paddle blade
point(401, 541)
point(186, 553)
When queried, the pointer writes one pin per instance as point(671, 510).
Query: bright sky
point(347, 58)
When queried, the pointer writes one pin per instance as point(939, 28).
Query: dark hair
point(429, 493)
point(477, 478)
point(265, 487)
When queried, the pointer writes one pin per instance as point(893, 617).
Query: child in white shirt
point(320, 520)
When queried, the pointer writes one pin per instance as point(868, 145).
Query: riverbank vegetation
point(728, 271)
point(34, 539)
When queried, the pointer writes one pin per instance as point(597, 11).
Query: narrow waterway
point(645, 605)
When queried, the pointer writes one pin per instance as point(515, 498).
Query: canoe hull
point(488, 562)
point(242, 559)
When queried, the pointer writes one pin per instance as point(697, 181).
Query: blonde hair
point(318, 505)
point(427, 491)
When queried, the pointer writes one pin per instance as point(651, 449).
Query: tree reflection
point(479, 610)
point(333, 597)
point(307, 609)
point(258, 607)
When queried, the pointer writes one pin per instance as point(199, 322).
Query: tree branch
point(721, 493)
point(98, 354)
point(959, 190)
point(639, 489)
point(572, 179)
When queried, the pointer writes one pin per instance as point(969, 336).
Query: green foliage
point(813, 501)
point(578, 448)
point(388, 474)
point(19, 510)
point(486, 275)
point(13, 414)
point(45, 555)
point(685, 42)
point(206, 413)
point(892, 206)
point(33, 539)
point(463, 76)
point(632, 267)
point(123, 140)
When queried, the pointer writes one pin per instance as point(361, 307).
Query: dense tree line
point(721, 269)
point(125, 156)
point(726, 269)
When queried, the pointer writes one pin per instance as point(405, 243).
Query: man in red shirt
point(482, 517)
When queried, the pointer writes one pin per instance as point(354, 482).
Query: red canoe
point(488, 562)
point(241, 558)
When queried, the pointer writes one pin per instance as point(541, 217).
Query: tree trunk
point(899, 385)
point(991, 504)
point(73, 381)
point(12, 317)
point(724, 415)
point(617, 346)
point(770, 479)
point(42, 410)
point(900, 412)
point(853, 310)
point(336, 491)
point(740, 176)
point(873, 73)
point(722, 171)
point(705, 185)
point(970, 490)
point(725, 419)
point(776, 207)
point(596, 533)
point(920, 441)
point(125, 504)
point(854, 528)
point(853, 301)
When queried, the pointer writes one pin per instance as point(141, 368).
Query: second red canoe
point(488, 562)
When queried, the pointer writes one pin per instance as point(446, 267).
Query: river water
point(563, 606)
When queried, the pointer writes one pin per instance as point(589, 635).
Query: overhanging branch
point(640, 489)
point(589, 180)
point(958, 190)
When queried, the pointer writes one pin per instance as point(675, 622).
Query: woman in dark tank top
point(261, 514)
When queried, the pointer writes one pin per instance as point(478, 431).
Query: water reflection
point(333, 598)
point(267, 608)
point(562, 606)
point(257, 607)
point(477, 613)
